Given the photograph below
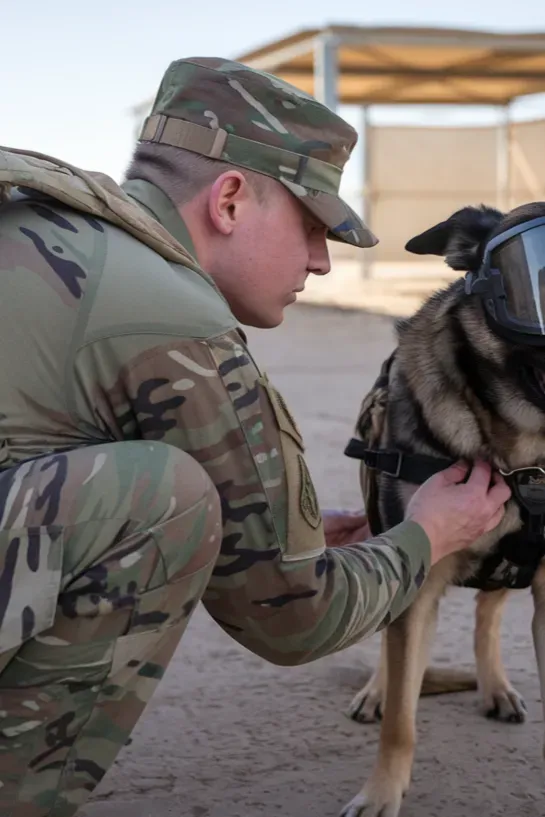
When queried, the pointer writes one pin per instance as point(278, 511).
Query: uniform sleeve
point(276, 588)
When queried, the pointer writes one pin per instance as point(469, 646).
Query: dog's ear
point(460, 239)
point(432, 241)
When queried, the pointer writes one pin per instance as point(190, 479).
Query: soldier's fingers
point(499, 493)
point(455, 473)
point(480, 475)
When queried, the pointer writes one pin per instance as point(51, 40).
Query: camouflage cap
point(228, 111)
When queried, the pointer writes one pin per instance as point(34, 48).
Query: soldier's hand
point(454, 513)
point(345, 527)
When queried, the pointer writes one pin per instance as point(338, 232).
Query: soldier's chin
point(273, 314)
point(266, 317)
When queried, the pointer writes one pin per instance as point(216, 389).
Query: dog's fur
point(455, 390)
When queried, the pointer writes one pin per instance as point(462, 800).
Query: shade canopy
point(389, 65)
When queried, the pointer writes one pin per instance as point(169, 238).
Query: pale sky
point(71, 71)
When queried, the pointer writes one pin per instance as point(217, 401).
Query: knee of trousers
point(159, 528)
point(138, 541)
point(164, 563)
point(180, 509)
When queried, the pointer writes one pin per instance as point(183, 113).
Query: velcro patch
point(307, 498)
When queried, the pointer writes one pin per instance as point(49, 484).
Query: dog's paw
point(366, 706)
point(375, 802)
point(505, 704)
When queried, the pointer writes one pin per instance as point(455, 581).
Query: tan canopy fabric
point(412, 65)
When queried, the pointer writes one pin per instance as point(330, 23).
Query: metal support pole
point(503, 159)
point(326, 70)
point(366, 197)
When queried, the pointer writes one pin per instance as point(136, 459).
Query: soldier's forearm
point(291, 613)
point(383, 577)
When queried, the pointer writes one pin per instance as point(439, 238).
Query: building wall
point(419, 176)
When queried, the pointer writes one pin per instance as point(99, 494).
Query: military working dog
point(465, 381)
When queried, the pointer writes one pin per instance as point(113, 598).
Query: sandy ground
point(229, 736)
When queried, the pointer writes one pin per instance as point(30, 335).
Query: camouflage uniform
point(138, 434)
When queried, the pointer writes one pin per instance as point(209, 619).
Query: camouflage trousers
point(104, 553)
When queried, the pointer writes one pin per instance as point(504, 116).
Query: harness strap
point(415, 468)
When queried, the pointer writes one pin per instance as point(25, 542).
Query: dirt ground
point(229, 736)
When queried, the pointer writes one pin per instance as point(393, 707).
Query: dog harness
point(515, 559)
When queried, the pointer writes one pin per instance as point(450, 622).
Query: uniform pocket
point(305, 536)
point(30, 579)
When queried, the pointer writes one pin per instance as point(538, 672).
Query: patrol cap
point(225, 110)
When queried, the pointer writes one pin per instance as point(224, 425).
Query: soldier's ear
point(460, 239)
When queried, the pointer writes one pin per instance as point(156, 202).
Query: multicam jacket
point(105, 339)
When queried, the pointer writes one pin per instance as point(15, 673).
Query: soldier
point(147, 463)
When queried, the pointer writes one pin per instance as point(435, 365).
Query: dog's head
point(461, 239)
point(514, 371)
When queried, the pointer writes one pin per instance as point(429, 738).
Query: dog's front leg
point(538, 630)
point(367, 705)
point(501, 700)
point(408, 640)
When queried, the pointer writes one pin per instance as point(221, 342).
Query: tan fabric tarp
point(413, 65)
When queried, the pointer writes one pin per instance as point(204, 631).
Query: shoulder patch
point(308, 500)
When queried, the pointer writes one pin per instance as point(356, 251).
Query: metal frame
point(326, 70)
point(503, 159)
point(414, 36)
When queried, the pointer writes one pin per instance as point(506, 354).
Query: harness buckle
point(528, 487)
point(399, 460)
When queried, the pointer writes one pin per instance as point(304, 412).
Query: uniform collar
point(158, 205)
point(161, 208)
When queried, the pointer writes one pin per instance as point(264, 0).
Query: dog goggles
point(511, 279)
